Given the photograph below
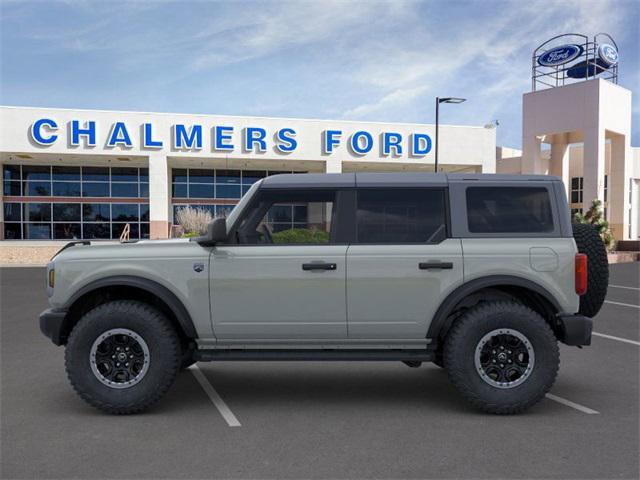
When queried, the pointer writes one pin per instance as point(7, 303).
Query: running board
point(314, 355)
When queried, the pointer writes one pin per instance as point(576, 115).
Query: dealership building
point(90, 174)
point(86, 174)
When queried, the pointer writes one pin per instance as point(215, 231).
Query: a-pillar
point(158, 196)
point(618, 191)
point(559, 162)
point(593, 166)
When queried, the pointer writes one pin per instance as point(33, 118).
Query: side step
point(314, 355)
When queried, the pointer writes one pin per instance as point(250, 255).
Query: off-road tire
point(164, 356)
point(459, 355)
point(589, 242)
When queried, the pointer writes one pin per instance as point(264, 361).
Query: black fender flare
point(440, 319)
point(152, 287)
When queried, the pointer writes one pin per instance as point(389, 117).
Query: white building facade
point(86, 174)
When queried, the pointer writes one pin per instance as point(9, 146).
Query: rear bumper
point(575, 329)
point(52, 323)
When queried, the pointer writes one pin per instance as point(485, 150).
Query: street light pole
point(438, 102)
point(435, 170)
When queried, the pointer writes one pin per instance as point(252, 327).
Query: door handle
point(435, 265)
point(319, 266)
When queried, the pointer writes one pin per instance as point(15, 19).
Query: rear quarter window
point(509, 210)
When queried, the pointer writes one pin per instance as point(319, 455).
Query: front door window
point(290, 218)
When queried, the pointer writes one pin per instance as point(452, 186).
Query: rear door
point(402, 263)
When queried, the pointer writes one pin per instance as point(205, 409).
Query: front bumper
point(52, 323)
point(575, 329)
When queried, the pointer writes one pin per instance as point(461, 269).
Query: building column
point(618, 191)
point(159, 197)
point(559, 162)
point(333, 166)
point(531, 155)
point(593, 166)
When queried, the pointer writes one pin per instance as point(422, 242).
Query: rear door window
point(509, 210)
point(401, 215)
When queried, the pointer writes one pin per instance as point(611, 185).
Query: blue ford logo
point(560, 55)
point(608, 54)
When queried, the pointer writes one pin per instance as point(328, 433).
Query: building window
point(63, 212)
point(203, 188)
point(576, 189)
point(574, 211)
point(606, 187)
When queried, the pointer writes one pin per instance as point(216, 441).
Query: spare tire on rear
point(589, 242)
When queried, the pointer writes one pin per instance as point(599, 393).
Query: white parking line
point(622, 304)
point(571, 404)
point(622, 286)
point(222, 407)
point(619, 339)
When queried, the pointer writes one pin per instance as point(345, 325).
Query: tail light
point(581, 273)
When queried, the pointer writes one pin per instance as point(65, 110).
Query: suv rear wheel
point(122, 356)
point(502, 356)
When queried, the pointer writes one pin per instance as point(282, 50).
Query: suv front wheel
point(502, 356)
point(123, 356)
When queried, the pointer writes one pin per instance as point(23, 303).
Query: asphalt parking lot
point(321, 420)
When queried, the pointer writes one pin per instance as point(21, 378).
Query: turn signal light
point(52, 278)
point(581, 273)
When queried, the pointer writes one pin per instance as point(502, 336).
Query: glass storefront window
point(95, 174)
point(95, 189)
point(198, 183)
point(67, 230)
point(36, 172)
point(37, 189)
point(66, 189)
point(37, 231)
point(11, 172)
point(96, 212)
point(66, 173)
point(12, 212)
point(66, 212)
point(12, 189)
point(124, 190)
point(124, 212)
point(37, 212)
point(12, 231)
point(119, 174)
point(197, 190)
point(52, 220)
point(96, 230)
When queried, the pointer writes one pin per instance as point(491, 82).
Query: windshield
point(233, 216)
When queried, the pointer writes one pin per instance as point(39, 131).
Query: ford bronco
point(481, 274)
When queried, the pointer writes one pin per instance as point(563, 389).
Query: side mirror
point(218, 230)
point(216, 233)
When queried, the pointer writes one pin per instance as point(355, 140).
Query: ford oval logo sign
point(560, 55)
point(608, 54)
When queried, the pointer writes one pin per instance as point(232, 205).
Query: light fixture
point(440, 100)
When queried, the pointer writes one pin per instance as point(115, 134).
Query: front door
point(283, 276)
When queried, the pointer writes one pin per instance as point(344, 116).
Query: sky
point(351, 60)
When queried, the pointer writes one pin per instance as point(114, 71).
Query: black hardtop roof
point(393, 179)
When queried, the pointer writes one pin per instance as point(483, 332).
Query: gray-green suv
point(480, 274)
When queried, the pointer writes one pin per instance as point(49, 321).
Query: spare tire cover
point(589, 242)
